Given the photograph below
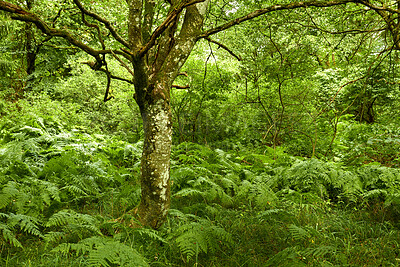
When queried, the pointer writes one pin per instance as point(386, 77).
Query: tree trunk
point(152, 88)
point(155, 178)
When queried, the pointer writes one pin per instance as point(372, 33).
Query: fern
point(103, 251)
point(8, 236)
point(200, 237)
point(261, 194)
point(27, 224)
point(16, 223)
point(31, 196)
point(286, 258)
point(224, 160)
point(150, 233)
point(74, 225)
point(8, 193)
point(308, 175)
point(266, 215)
point(204, 186)
point(376, 194)
point(298, 233)
point(376, 177)
point(319, 252)
point(351, 186)
point(189, 192)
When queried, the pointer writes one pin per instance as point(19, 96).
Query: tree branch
point(181, 86)
point(90, 64)
point(273, 8)
point(18, 13)
point(377, 8)
point(238, 57)
point(106, 23)
point(123, 64)
point(148, 17)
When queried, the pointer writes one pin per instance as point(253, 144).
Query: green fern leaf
point(200, 237)
point(298, 233)
point(9, 236)
point(320, 251)
point(151, 234)
point(103, 251)
point(26, 223)
point(8, 192)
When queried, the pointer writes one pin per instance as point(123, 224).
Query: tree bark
point(152, 86)
point(155, 201)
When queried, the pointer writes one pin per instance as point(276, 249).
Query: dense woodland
point(284, 123)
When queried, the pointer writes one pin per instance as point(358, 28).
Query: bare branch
point(106, 23)
point(180, 86)
point(91, 64)
point(377, 8)
point(273, 8)
point(91, 25)
point(18, 13)
point(123, 64)
point(238, 57)
point(183, 74)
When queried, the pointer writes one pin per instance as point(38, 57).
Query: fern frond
point(53, 237)
point(8, 192)
point(261, 193)
point(319, 252)
point(151, 234)
point(9, 236)
point(269, 213)
point(65, 217)
point(73, 224)
point(286, 258)
point(188, 192)
point(74, 190)
point(114, 253)
point(26, 223)
point(298, 233)
point(376, 194)
point(200, 237)
point(103, 251)
point(182, 216)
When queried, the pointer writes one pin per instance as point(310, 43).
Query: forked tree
point(153, 51)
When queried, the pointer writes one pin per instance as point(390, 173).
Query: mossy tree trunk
point(155, 72)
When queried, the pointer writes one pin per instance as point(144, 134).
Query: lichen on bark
point(155, 184)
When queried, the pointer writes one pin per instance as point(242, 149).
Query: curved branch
point(238, 57)
point(377, 8)
point(263, 11)
point(350, 31)
point(90, 64)
point(181, 86)
point(18, 13)
point(106, 23)
point(123, 64)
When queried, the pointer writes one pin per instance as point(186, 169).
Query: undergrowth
point(62, 192)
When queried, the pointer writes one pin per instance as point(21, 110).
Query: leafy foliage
point(102, 251)
point(288, 157)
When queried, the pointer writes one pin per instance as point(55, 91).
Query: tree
point(159, 36)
